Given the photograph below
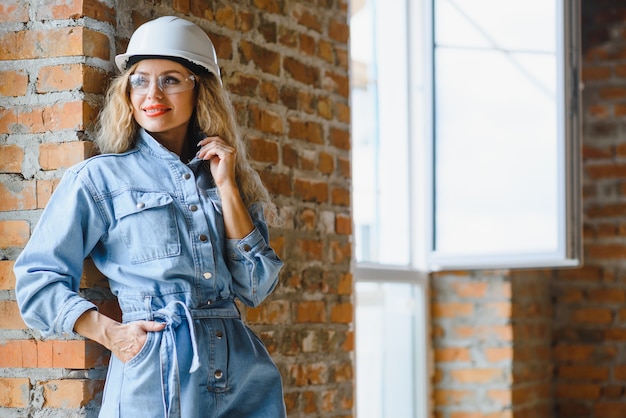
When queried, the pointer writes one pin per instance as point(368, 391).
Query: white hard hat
point(171, 37)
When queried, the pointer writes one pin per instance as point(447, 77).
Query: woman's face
point(163, 98)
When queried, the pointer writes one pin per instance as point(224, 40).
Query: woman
point(173, 214)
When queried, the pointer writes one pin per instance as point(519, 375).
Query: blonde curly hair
point(214, 115)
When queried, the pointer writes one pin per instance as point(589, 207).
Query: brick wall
point(589, 320)
point(492, 344)
point(286, 63)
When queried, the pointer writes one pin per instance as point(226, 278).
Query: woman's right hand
point(126, 340)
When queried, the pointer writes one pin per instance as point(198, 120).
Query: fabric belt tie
point(173, 320)
point(170, 376)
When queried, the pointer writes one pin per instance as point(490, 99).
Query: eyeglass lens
point(167, 83)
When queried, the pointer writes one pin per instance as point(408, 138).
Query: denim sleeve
point(252, 262)
point(49, 269)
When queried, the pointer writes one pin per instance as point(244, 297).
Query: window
point(505, 135)
point(465, 127)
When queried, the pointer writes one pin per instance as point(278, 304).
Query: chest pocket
point(147, 225)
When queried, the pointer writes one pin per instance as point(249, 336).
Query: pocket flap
point(135, 201)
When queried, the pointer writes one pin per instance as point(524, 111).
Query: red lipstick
point(155, 110)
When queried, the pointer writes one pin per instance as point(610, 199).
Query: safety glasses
point(167, 83)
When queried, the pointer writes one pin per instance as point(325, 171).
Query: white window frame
point(569, 252)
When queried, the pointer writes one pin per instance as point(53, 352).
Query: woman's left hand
point(221, 157)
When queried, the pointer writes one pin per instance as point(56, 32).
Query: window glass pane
point(386, 349)
point(379, 104)
point(497, 141)
point(496, 23)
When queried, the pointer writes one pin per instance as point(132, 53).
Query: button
point(219, 335)
point(209, 302)
point(186, 176)
point(218, 374)
point(207, 275)
point(193, 208)
point(141, 205)
point(203, 238)
point(246, 247)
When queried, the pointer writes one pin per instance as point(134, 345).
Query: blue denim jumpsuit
point(153, 225)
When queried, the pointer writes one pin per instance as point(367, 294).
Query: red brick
point(340, 196)
point(613, 92)
point(266, 120)
point(609, 409)
point(345, 168)
point(72, 116)
point(14, 391)
point(311, 191)
point(306, 17)
point(452, 310)
point(306, 130)
point(269, 92)
point(311, 249)
point(277, 183)
point(307, 44)
point(11, 157)
point(69, 354)
point(53, 156)
point(226, 16)
point(325, 107)
point(14, 83)
point(591, 73)
point(343, 224)
point(73, 9)
point(19, 195)
point(72, 77)
point(242, 84)
point(14, 233)
point(10, 317)
point(326, 163)
point(495, 332)
point(7, 277)
point(478, 375)
point(45, 188)
point(578, 391)
point(576, 353)
point(452, 354)
point(341, 112)
point(498, 354)
point(605, 251)
point(326, 51)
point(345, 285)
point(343, 372)
point(264, 151)
point(57, 42)
point(339, 31)
point(452, 397)
point(8, 121)
point(607, 170)
point(271, 6)
point(267, 61)
point(340, 138)
point(14, 11)
point(245, 21)
point(338, 83)
point(583, 372)
point(70, 393)
point(342, 313)
point(470, 289)
point(301, 72)
point(311, 311)
point(271, 312)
